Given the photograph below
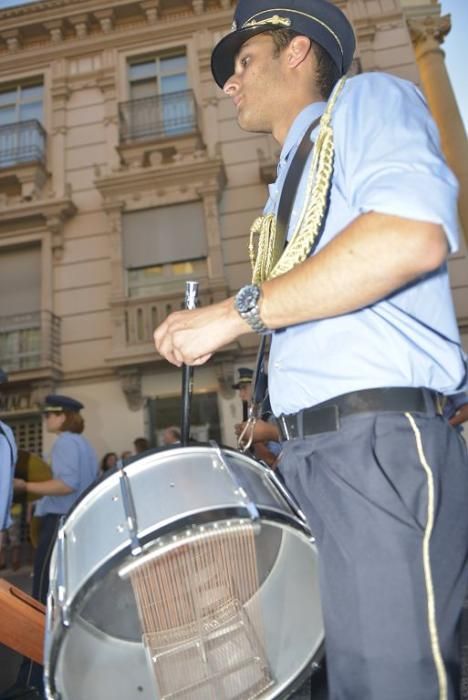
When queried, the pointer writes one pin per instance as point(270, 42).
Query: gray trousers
point(386, 497)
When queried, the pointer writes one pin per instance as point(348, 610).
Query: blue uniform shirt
point(8, 457)
point(387, 160)
point(74, 461)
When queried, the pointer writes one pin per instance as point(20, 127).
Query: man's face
point(256, 85)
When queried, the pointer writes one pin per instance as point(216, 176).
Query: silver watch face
point(247, 298)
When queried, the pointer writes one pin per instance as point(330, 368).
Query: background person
point(74, 467)
point(364, 343)
point(456, 409)
point(108, 462)
point(266, 438)
point(171, 436)
point(140, 444)
point(8, 456)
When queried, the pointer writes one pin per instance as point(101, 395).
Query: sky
point(453, 47)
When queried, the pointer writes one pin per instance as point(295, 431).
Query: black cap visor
point(225, 52)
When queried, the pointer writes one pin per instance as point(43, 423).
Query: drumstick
point(190, 302)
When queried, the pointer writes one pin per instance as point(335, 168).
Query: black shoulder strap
point(291, 181)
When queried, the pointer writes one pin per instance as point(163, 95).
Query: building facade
point(123, 173)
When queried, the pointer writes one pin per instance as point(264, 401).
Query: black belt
point(325, 417)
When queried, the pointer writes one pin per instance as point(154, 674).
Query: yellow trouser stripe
point(431, 616)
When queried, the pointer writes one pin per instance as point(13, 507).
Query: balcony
point(134, 320)
point(22, 158)
point(22, 142)
point(30, 343)
point(153, 129)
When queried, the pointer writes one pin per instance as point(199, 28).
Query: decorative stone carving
point(55, 29)
point(80, 24)
point(12, 38)
point(198, 6)
point(106, 20)
point(130, 381)
point(428, 33)
point(151, 9)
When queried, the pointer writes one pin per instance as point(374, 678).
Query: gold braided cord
point(267, 258)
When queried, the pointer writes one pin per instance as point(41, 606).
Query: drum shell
point(170, 490)
point(171, 486)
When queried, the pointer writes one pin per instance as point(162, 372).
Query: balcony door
point(20, 318)
point(21, 112)
point(160, 104)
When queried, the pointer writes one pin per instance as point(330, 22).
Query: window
point(157, 76)
point(20, 325)
point(21, 103)
point(151, 281)
point(161, 103)
point(162, 246)
point(22, 138)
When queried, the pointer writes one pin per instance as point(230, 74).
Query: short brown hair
point(327, 72)
point(73, 423)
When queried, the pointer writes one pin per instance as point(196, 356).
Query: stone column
point(427, 35)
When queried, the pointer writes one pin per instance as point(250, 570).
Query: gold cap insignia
point(276, 20)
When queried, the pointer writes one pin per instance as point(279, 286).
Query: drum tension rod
point(130, 513)
point(248, 503)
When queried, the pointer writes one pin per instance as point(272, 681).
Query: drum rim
point(59, 630)
point(212, 447)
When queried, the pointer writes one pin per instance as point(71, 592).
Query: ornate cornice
point(187, 175)
point(50, 213)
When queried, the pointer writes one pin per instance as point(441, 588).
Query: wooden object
point(22, 622)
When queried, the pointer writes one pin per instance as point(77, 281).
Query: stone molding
point(48, 213)
point(45, 21)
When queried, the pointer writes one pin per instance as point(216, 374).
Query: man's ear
point(297, 50)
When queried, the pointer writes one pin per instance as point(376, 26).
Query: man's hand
point(263, 431)
point(191, 337)
point(19, 485)
point(460, 416)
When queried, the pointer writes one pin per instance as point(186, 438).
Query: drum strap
point(288, 194)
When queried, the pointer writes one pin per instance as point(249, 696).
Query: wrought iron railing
point(158, 117)
point(22, 142)
point(29, 341)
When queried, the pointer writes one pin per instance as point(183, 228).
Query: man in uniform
point(8, 455)
point(364, 342)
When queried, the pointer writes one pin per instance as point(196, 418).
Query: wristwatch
point(246, 303)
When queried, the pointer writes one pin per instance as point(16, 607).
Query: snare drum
point(191, 575)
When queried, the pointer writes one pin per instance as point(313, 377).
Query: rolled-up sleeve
point(390, 154)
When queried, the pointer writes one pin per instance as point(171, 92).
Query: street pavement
point(315, 689)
